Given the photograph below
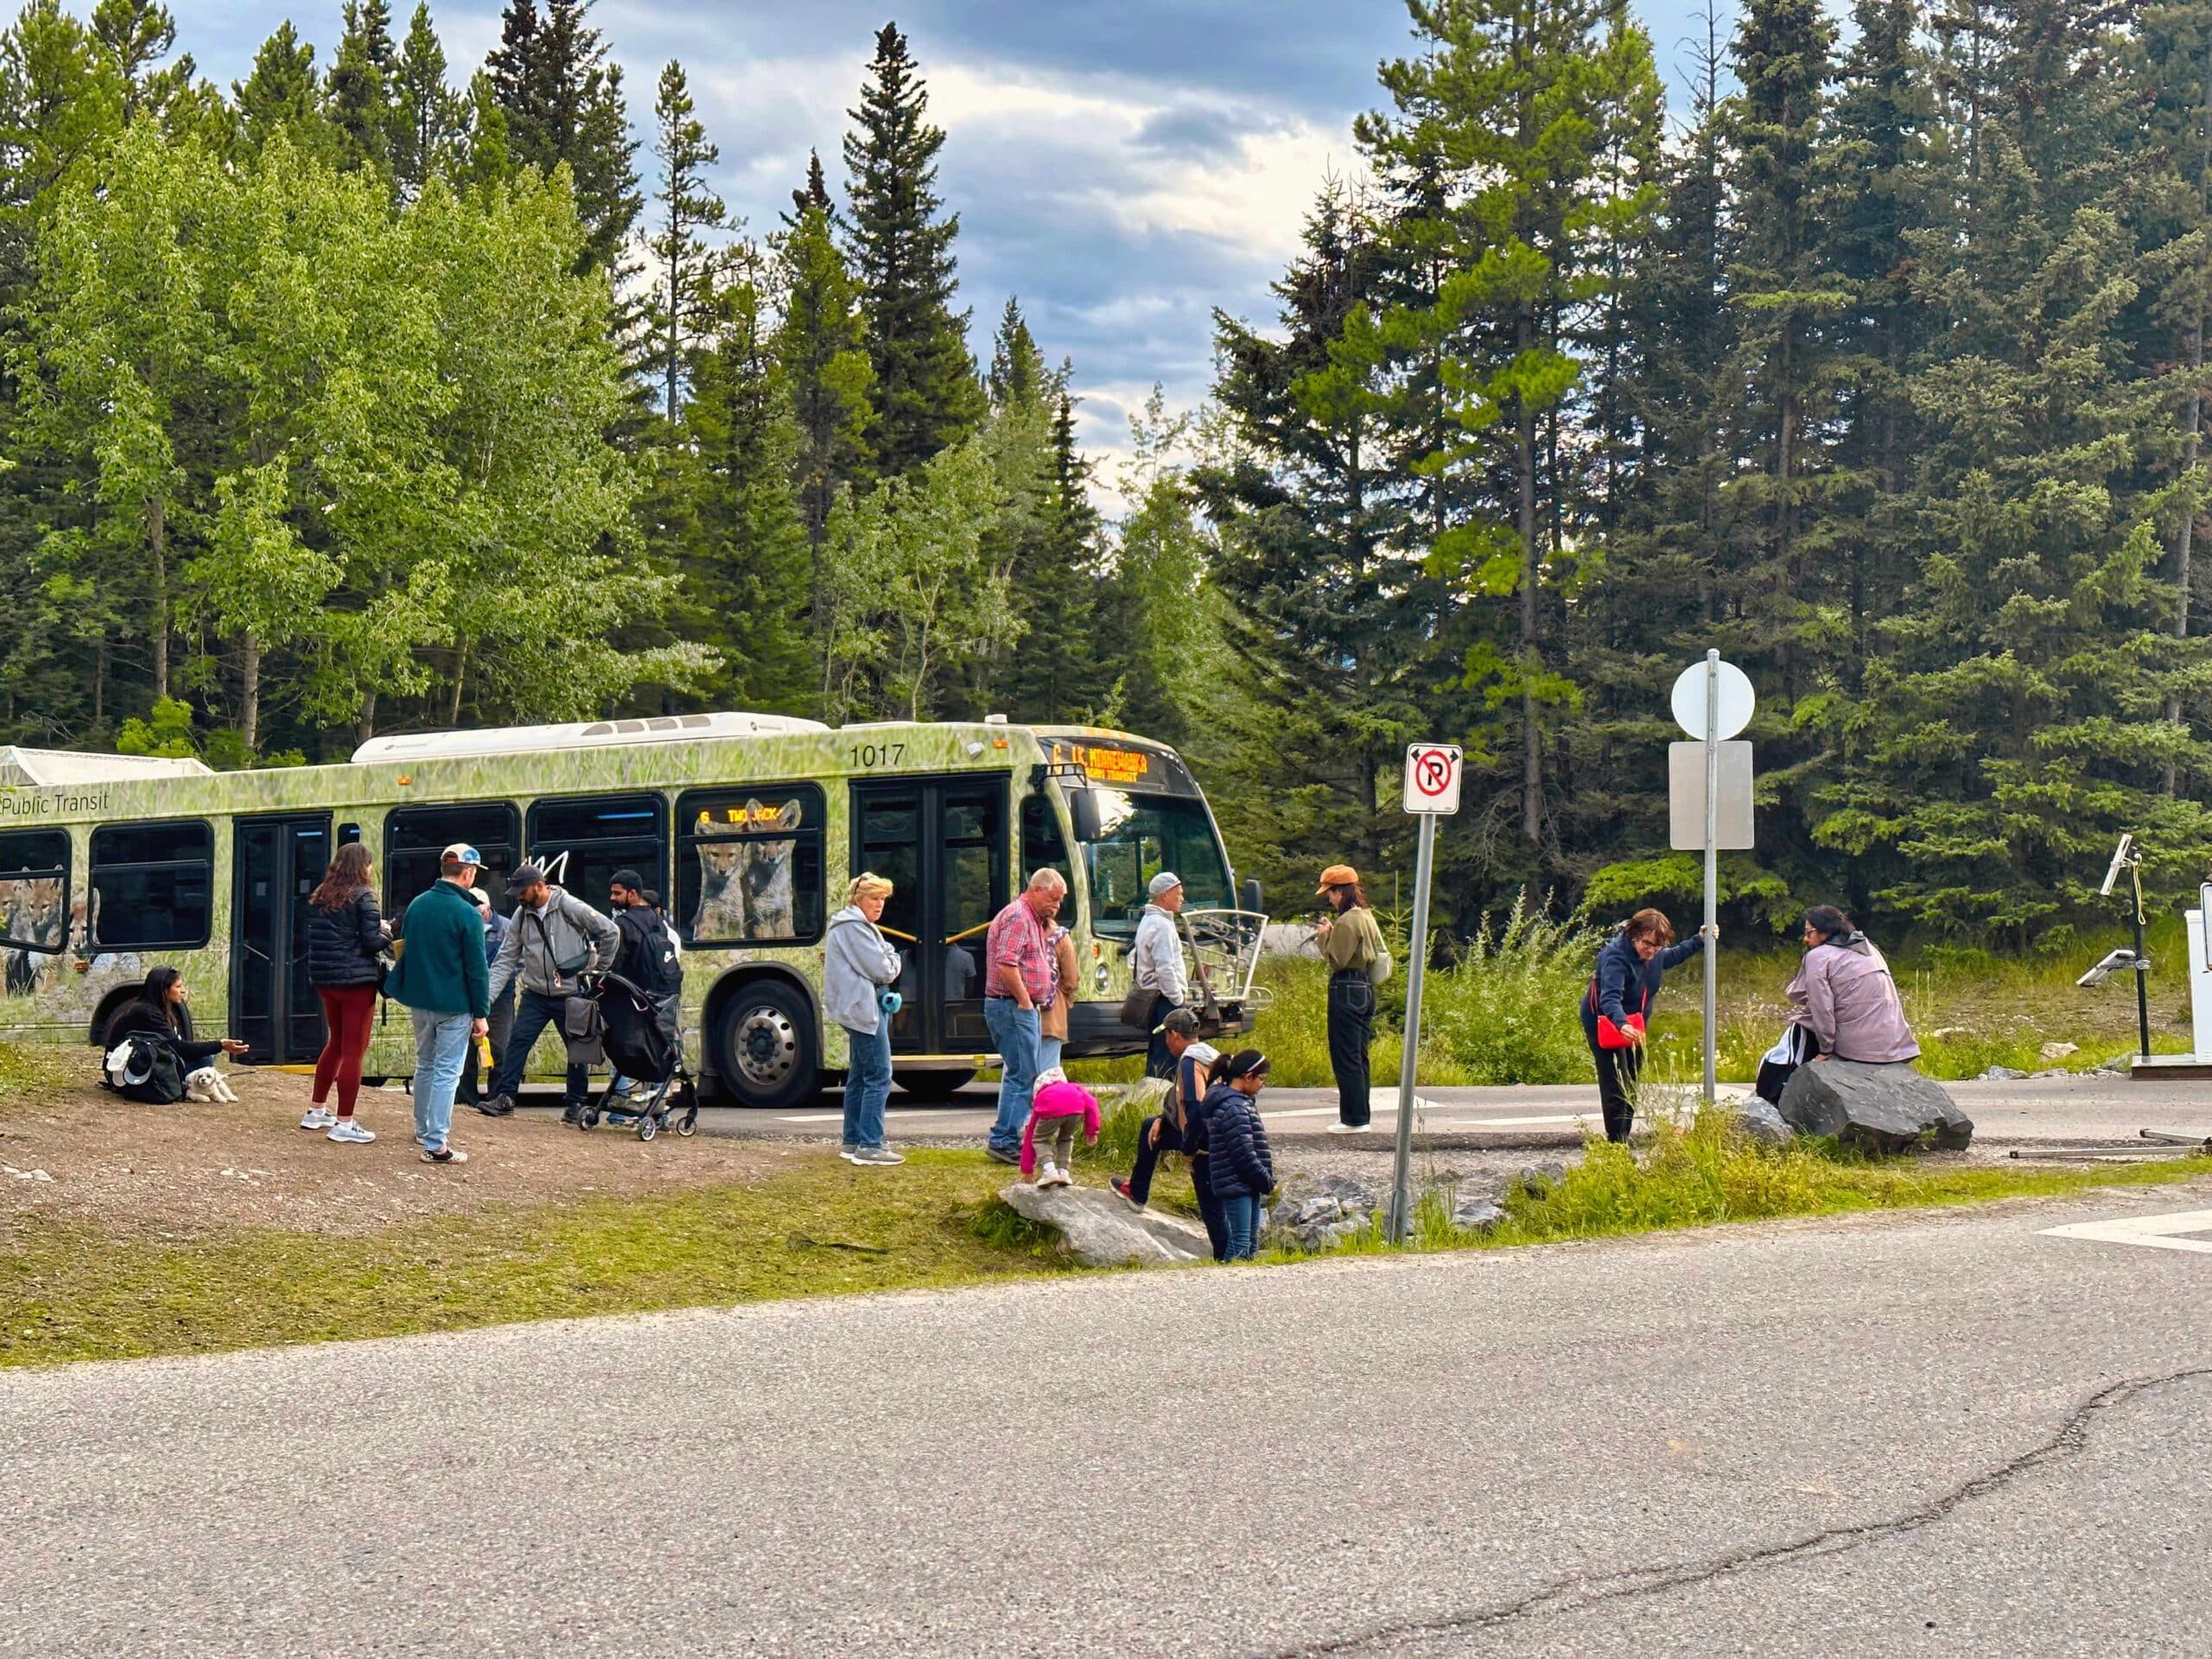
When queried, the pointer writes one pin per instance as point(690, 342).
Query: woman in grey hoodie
point(859, 967)
point(1844, 995)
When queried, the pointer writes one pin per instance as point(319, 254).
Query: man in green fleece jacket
point(446, 983)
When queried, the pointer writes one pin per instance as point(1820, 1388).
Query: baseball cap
point(1338, 876)
point(1178, 1022)
point(1166, 882)
point(525, 875)
point(461, 852)
point(477, 897)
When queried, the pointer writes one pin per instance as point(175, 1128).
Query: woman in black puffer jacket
point(345, 934)
point(1239, 1161)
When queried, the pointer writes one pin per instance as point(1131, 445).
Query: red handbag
point(1612, 1036)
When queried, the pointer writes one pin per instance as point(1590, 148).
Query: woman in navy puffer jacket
point(1238, 1162)
point(1622, 991)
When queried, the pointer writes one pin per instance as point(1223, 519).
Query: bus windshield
point(1143, 835)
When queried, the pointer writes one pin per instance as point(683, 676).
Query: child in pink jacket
point(1053, 1111)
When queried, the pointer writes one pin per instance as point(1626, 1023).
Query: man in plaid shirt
point(1017, 953)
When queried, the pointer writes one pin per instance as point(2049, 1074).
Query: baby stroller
point(647, 1055)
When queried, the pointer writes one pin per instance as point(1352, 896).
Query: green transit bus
point(749, 825)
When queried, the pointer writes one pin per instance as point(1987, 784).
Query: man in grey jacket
point(554, 939)
point(1156, 965)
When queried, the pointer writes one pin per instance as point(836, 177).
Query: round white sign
point(1736, 702)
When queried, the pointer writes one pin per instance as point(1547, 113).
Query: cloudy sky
point(1123, 166)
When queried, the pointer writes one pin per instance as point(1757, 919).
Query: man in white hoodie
point(859, 968)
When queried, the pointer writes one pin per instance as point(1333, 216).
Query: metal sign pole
point(1416, 970)
point(1712, 857)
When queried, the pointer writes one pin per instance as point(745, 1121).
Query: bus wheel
point(932, 1087)
point(767, 1047)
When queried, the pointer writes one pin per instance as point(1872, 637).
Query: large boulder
point(1102, 1231)
point(1879, 1107)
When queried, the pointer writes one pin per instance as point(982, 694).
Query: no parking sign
point(1432, 774)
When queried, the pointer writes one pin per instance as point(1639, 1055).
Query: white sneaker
point(1046, 1175)
point(1350, 1129)
point(318, 1117)
point(353, 1134)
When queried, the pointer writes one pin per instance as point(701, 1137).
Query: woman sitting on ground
point(1845, 997)
point(160, 1014)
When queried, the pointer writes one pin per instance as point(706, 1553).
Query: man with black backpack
point(648, 956)
point(554, 940)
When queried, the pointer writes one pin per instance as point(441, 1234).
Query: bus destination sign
point(1117, 768)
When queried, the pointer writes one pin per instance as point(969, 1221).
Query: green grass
point(71, 1293)
point(1696, 1173)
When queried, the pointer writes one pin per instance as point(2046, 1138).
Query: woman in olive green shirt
point(1350, 942)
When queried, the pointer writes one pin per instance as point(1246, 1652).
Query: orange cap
point(1338, 876)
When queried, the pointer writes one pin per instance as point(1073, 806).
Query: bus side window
point(749, 865)
point(601, 834)
point(33, 902)
point(152, 887)
point(1043, 846)
point(414, 836)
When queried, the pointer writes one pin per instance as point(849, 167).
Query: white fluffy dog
point(210, 1084)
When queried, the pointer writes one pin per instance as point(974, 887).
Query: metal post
point(2142, 967)
point(1416, 971)
point(1712, 856)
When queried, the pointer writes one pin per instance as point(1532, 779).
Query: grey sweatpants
point(1054, 1139)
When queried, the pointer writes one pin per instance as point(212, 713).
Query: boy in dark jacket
point(1239, 1161)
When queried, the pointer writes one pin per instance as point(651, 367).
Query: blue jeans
point(440, 1045)
point(868, 1083)
point(1240, 1218)
point(1048, 1051)
point(539, 1010)
point(1014, 1031)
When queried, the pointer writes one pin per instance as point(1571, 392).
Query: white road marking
point(1303, 1111)
point(815, 1118)
point(1508, 1122)
point(2151, 1232)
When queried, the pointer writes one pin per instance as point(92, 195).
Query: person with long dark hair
point(346, 935)
point(1239, 1164)
point(1617, 1005)
point(1352, 943)
point(161, 1012)
point(1845, 997)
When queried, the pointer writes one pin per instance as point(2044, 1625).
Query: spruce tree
point(822, 349)
point(684, 205)
point(429, 120)
point(358, 96)
point(1017, 366)
point(280, 94)
point(926, 395)
point(563, 102)
point(137, 35)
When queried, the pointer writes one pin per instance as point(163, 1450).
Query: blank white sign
point(1686, 797)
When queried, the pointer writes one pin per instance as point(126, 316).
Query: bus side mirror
point(1083, 814)
point(1247, 896)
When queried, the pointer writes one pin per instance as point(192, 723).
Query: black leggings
point(1617, 1074)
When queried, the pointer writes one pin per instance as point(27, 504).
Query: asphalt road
point(2041, 1109)
point(1942, 1434)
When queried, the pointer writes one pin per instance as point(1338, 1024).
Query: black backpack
point(145, 1069)
point(648, 958)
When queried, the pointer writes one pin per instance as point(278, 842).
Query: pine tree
point(822, 348)
point(926, 394)
point(814, 193)
point(1541, 111)
point(1073, 627)
point(358, 95)
point(137, 35)
point(686, 207)
point(429, 120)
point(486, 158)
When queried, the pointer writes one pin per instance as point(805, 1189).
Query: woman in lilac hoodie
point(1844, 995)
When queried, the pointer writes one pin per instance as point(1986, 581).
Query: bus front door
point(942, 843)
point(276, 864)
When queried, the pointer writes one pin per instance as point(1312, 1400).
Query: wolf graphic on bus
point(746, 888)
